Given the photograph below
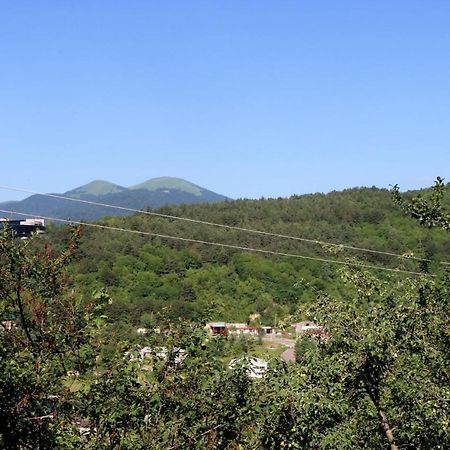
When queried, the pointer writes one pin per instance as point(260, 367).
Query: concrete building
point(24, 228)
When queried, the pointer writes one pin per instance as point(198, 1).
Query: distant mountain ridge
point(153, 193)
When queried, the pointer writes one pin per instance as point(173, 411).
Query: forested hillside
point(145, 274)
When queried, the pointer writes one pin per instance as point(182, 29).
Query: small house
point(217, 328)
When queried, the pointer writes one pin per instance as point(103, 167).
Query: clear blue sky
point(246, 98)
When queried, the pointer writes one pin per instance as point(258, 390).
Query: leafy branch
point(429, 212)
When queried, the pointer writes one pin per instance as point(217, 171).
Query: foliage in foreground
point(381, 379)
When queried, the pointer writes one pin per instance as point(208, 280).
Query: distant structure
point(24, 228)
point(306, 327)
point(225, 328)
point(310, 328)
point(216, 328)
point(177, 354)
point(254, 367)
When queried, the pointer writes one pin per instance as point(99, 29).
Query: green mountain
point(153, 193)
point(95, 188)
point(168, 183)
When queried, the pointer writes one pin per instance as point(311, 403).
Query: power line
point(217, 244)
point(229, 227)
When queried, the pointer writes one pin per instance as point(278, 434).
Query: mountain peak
point(169, 183)
point(95, 188)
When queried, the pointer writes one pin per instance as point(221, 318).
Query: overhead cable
point(220, 225)
point(217, 244)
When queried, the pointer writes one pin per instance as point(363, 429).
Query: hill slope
point(146, 275)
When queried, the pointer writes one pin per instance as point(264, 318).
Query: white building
point(255, 367)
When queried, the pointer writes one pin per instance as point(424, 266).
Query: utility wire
point(217, 244)
point(229, 227)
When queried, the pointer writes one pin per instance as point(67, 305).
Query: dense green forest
point(143, 274)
